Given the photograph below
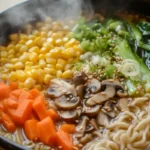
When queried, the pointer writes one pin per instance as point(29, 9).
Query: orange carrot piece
point(8, 123)
point(1, 106)
point(53, 114)
point(69, 128)
point(22, 113)
point(35, 93)
point(4, 91)
point(31, 130)
point(63, 139)
point(11, 103)
point(13, 86)
point(33, 116)
point(24, 96)
point(15, 94)
point(46, 131)
point(39, 107)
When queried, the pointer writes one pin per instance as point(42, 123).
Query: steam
point(59, 9)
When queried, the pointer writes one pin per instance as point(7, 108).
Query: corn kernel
point(21, 85)
point(43, 34)
point(9, 66)
point(51, 61)
point(28, 63)
point(59, 67)
point(52, 71)
point(10, 46)
point(38, 87)
point(34, 73)
point(21, 76)
point(44, 50)
point(29, 83)
point(65, 39)
point(48, 45)
point(50, 66)
point(4, 77)
point(11, 51)
point(14, 37)
point(3, 54)
point(59, 74)
point(42, 63)
point(67, 53)
point(71, 60)
point(37, 40)
point(70, 43)
point(10, 56)
point(59, 42)
point(23, 48)
point(47, 78)
point(24, 58)
point(51, 40)
point(41, 56)
point(36, 32)
point(55, 53)
point(23, 37)
point(33, 57)
point(14, 60)
point(30, 43)
point(34, 49)
point(18, 47)
point(22, 42)
point(61, 61)
point(67, 74)
point(13, 76)
point(19, 65)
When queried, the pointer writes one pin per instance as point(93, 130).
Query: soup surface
point(77, 84)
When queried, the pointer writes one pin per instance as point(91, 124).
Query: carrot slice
point(53, 114)
point(8, 123)
point(31, 130)
point(10, 103)
point(69, 128)
point(13, 86)
point(24, 96)
point(63, 139)
point(15, 94)
point(22, 113)
point(35, 93)
point(46, 131)
point(1, 106)
point(4, 91)
point(39, 107)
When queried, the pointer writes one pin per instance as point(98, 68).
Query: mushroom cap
point(93, 85)
point(68, 115)
point(79, 78)
point(67, 102)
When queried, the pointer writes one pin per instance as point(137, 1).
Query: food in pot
point(76, 85)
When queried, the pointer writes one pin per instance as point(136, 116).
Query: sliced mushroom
point(79, 78)
point(59, 87)
point(123, 104)
point(91, 111)
point(68, 115)
point(116, 84)
point(93, 122)
point(102, 96)
point(80, 90)
point(86, 138)
point(102, 119)
point(109, 105)
point(67, 102)
point(89, 128)
point(111, 113)
point(81, 127)
point(122, 94)
point(93, 85)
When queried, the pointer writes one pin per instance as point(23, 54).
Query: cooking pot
point(13, 19)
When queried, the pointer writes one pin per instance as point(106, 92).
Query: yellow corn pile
point(43, 52)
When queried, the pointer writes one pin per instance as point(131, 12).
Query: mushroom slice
point(86, 138)
point(93, 85)
point(59, 87)
point(81, 127)
point(79, 78)
point(116, 84)
point(102, 96)
point(80, 90)
point(109, 105)
point(68, 115)
point(122, 94)
point(123, 104)
point(89, 128)
point(67, 102)
point(91, 111)
point(102, 119)
point(93, 122)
